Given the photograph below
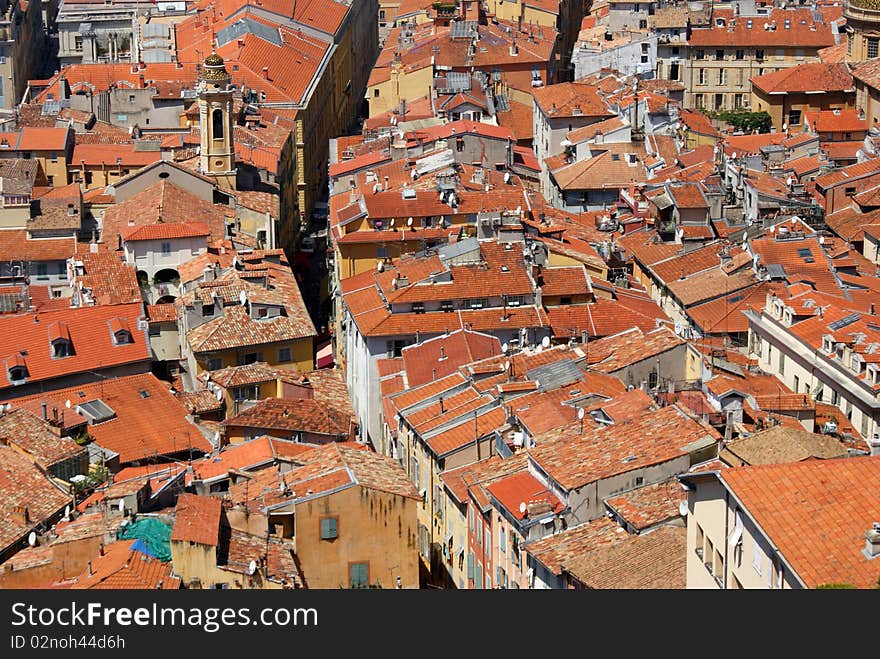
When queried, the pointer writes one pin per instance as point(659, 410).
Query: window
point(122, 337)
point(470, 565)
point(794, 117)
point(835, 397)
point(478, 576)
point(701, 79)
point(849, 40)
point(477, 303)
point(675, 51)
point(375, 93)
point(329, 530)
point(872, 46)
point(850, 191)
point(643, 25)
point(700, 54)
point(864, 426)
point(737, 101)
point(359, 575)
point(719, 101)
point(446, 305)
point(502, 542)
point(799, 53)
point(699, 102)
point(781, 363)
point(62, 348)
point(721, 77)
point(719, 54)
point(42, 271)
point(797, 382)
point(215, 364)
point(640, 481)
point(780, 54)
point(848, 409)
point(154, 330)
point(740, 54)
point(166, 249)
point(78, 43)
point(470, 519)
point(217, 124)
point(208, 310)
point(283, 355)
point(757, 557)
point(759, 55)
point(698, 543)
point(488, 540)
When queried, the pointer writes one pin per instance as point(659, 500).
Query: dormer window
point(857, 364)
point(828, 344)
point(120, 332)
point(208, 310)
point(59, 339)
point(17, 369)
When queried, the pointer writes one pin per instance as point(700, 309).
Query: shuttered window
point(328, 528)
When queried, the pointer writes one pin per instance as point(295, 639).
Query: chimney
point(91, 571)
point(872, 542)
point(21, 514)
point(208, 273)
point(265, 72)
point(874, 443)
point(44, 407)
point(101, 549)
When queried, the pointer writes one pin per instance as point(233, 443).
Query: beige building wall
point(719, 556)
point(373, 527)
point(724, 83)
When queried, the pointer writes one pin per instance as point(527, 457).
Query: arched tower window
point(217, 118)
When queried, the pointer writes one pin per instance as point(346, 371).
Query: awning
point(325, 356)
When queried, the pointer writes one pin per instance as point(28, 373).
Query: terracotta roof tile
point(197, 519)
point(522, 487)
point(123, 568)
point(615, 352)
point(27, 432)
point(810, 77)
point(137, 431)
point(85, 327)
point(573, 460)
point(293, 415)
point(798, 31)
point(23, 484)
point(440, 356)
point(650, 505)
point(652, 560)
point(816, 512)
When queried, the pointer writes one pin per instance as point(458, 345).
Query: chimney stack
point(266, 72)
point(872, 542)
point(44, 407)
point(91, 571)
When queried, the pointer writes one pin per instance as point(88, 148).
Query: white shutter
point(757, 556)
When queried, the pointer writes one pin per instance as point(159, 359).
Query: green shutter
point(470, 567)
point(358, 575)
point(478, 576)
point(328, 528)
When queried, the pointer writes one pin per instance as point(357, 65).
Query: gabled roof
point(442, 355)
point(25, 430)
point(87, 330)
point(816, 513)
point(804, 78)
point(293, 415)
point(149, 421)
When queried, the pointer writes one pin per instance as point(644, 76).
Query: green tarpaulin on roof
point(154, 537)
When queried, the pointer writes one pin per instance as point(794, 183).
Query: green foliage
point(835, 586)
point(745, 121)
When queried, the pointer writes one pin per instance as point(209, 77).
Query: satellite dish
point(784, 126)
point(733, 155)
point(67, 511)
point(565, 143)
point(507, 177)
point(122, 505)
point(581, 413)
point(252, 567)
point(242, 298)
point(219, 394)
point(545, 342)
point(409, 222)
point(394, 283)
point(217, 438)
point(504, 348)
point(683, 508)
point(392, 222)
point(522, 507)
point(32, 539)
point(507, 365)
point(380, 266)
point(67, 403)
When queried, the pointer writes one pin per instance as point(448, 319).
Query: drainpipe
point(726, 537)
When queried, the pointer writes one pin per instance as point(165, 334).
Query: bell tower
point(217, 152)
